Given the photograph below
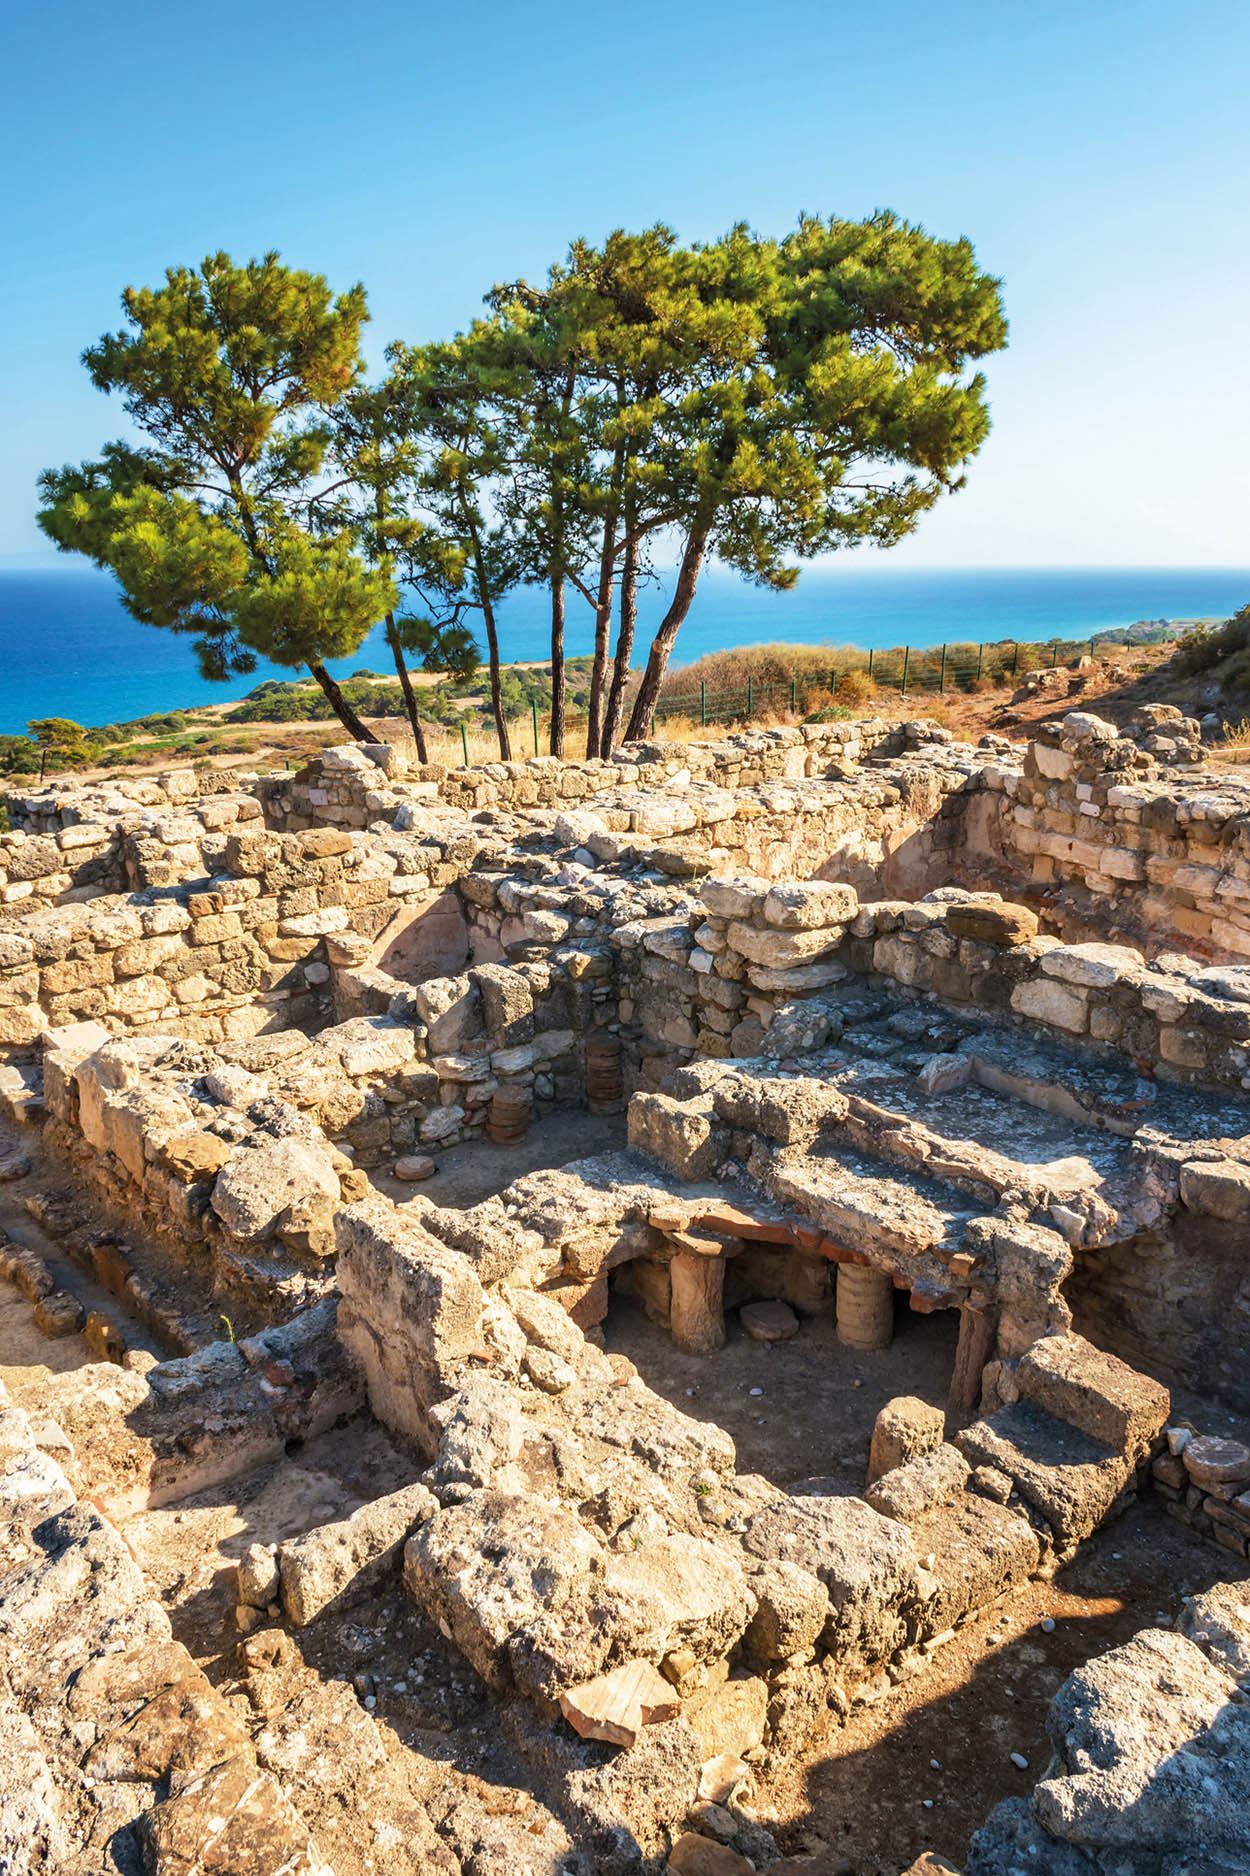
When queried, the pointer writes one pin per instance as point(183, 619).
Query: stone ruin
point(875, 1029)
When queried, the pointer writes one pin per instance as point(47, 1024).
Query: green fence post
point(942, 674)
point(833, 683)
point(750, 695)
point(1015, 656)
point(870, 658)
point(653, 726)
point(1054, 654)
point(981, 661)
point(464, 742)
point(534, 708)
point(906, 662)
point(794, 693)
point(703, 701)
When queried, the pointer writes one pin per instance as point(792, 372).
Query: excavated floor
point(812, 1416)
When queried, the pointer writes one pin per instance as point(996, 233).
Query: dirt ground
point(799, 1409)
point(477, 1169)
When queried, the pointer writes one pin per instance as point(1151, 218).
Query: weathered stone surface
point(1218, 1621)
point(1094, 1391)
point(688, 1142)
point(350, 1557)
point(867, 1564)
point(686, 1592)
point(262, 1179)
point(916, 1486)
point(1219, 1187)
point(1153, 1755)
point(810, 905)
point(488, 1567)
point(1071, 1478)
point(730, 1717)
point(791, 1612)
point(904, 1429)
point(411, 1310)
point(992, 924)
point(229, 1819)
point(695, 1855)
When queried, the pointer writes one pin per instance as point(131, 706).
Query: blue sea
point(67, 648)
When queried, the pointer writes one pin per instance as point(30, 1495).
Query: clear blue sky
point(1098, 155)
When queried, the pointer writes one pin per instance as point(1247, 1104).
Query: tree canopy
point(754, 399)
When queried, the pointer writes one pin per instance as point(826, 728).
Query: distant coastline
point(67, 647)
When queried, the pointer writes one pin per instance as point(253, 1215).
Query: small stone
point(768, 1322)
point(1048, 1625)
point(1019, 1761)
point(414, 1166)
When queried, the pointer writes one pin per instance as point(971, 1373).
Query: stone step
point(1070, 1479)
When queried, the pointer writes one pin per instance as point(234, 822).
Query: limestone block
point(867, 1563)
point(350, 1557)
point(810, 905)
point(681, 1136)
point(242, 1813)
point(1220, 1187)
point(792, 1607)
point(1094, 1391)
point(905, 1428)
point(990, 924)
point(1046, 1000)
point(264, 1176)
point(683, 1592)
point(487, 1568)
point(1152, 1755)
point(1095, 966)
point(919, 1484)
point(779, 950)
point(1218, 1620)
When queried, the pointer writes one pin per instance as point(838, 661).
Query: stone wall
point(1111, 845)
point(353, 786)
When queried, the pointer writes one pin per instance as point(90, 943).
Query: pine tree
point(226, 373)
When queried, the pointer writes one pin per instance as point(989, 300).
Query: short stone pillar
point(508, 1119)
point(696, 1305)
point(865, 1305)
point(906, 1428)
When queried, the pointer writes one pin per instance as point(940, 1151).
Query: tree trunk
point(666, 634)
point(603, 610)
point(492, 645)
point(340, 706)
point(405, 684)
point(624, 646)
point(557, 664)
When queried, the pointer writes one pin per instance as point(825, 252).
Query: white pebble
point(935, 1765)
point(756, 1391)
point(927, 1803)
point(1019, 1761)
point(1048, 1625)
